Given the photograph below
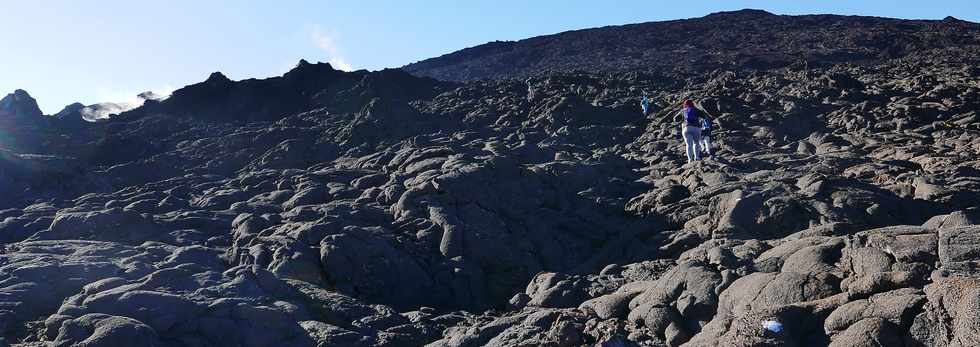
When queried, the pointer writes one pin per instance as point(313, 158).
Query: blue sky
point(63, 51)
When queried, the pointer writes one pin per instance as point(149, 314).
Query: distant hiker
point(645, 105)
point(805, 65)
point(691, 128)
point(530, 90)
point(706, 135)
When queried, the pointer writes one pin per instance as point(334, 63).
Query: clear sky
point(62, 51)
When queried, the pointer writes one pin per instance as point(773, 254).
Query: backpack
point(691, 117)
point(705, 124)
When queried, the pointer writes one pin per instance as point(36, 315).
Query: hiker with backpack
point(706, 136)
point(530, 90)
point(691, 129)
point(645, 105)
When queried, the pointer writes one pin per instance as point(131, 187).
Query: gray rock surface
point(327, 208)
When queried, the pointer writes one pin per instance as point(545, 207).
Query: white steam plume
point(326, 43)
point(125, 101)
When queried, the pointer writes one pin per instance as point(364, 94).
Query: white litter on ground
point(772, 326)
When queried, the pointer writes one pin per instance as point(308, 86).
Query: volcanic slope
point(743, 40)
point(331, 208)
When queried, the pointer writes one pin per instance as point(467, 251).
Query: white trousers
point(692, 139)
point(706, 144)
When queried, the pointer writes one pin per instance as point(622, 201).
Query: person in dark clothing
point(706, 136)
point(691, 129)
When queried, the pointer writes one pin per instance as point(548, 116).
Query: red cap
point(688, 103)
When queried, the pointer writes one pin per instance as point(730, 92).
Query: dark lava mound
point(327, 208)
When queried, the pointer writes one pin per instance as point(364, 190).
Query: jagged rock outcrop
point(19, 104)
